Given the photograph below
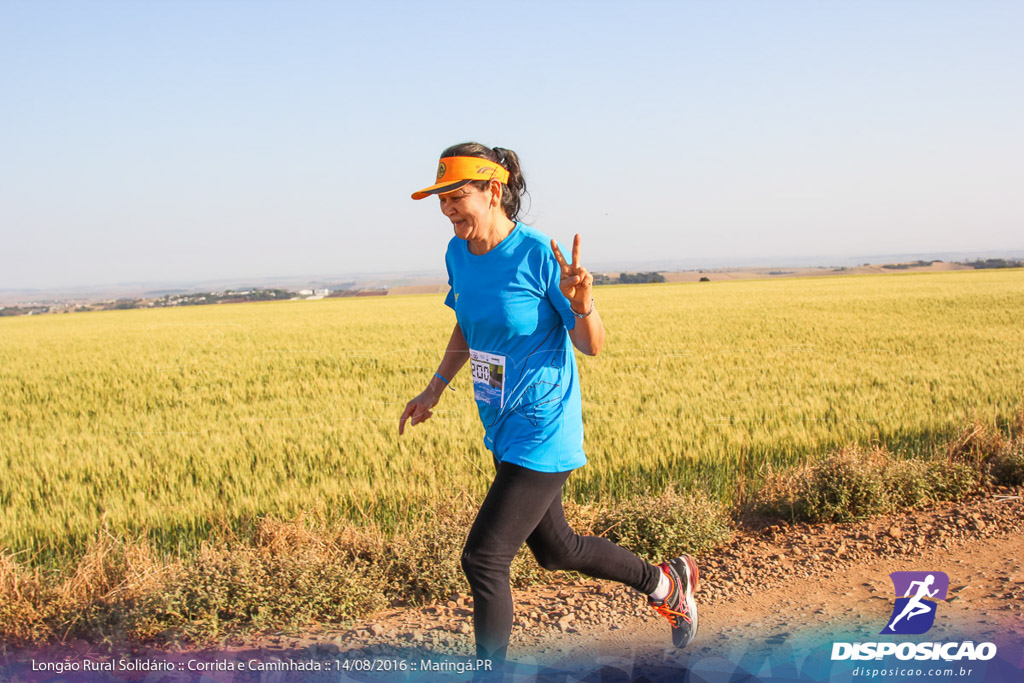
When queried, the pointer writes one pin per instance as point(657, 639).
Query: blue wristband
point(447, 383)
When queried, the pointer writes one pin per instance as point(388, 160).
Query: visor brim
point(440, 188)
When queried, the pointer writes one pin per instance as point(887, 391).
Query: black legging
point(526, 505)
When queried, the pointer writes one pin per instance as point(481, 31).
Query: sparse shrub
point(101, 597)
point(664, 525)
point(910, 483)
point(1007, 468)
point(426, 558)
point(95, 599)
point(291, 574)
point(992, 455)
point(25, 603)
point(976, 445)
point(853, 483)
point(954, 481)
point(845, 487)
point(915, 482)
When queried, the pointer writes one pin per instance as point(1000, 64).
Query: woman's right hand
point(418, 409)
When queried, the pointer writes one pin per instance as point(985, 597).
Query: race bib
point(488, 378)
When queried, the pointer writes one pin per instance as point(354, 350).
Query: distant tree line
point(994, 263)
point(628, 278)
point(22, 310)
point(904, 266)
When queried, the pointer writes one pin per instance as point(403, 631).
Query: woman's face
point(469, 210)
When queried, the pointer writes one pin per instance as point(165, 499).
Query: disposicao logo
point(916, 596)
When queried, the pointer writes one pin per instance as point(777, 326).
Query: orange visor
point(454, 172)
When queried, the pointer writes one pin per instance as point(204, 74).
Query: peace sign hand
point(576, 282)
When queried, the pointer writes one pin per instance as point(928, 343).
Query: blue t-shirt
point(515, 320)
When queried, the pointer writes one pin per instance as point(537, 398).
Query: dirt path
point(823, 599)
point(771, 603)
point(780, 589)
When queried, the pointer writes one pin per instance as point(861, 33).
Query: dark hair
point(515, 188)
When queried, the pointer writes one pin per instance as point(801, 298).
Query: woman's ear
point(495, 188)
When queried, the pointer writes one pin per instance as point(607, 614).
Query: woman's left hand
point(577, 282)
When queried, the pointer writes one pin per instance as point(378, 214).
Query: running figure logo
point(916, 596)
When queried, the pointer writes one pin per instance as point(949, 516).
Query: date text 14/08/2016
point(398, 664)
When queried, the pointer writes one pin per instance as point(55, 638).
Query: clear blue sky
point(182, 140)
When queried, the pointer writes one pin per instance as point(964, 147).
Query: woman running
point(520, 306)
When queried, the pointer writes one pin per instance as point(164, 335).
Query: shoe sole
point(681, 637)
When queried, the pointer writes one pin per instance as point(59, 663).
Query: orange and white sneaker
point(679, 607)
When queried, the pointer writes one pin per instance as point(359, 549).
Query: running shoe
point(679, 607)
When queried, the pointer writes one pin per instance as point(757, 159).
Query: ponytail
point(511, 200)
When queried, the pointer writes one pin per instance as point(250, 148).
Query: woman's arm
point(588, 334)
point(455, 356)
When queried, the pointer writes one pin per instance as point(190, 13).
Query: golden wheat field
point(177, 422)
